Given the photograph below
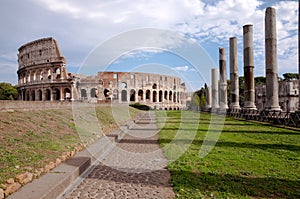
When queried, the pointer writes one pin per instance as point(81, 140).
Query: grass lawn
point(248, 161)
point(31, 139)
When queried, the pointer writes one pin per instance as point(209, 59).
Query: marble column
point(215, 89)
point(249, 89)
point(271, 60)
point(223, 79)
point(234, 75)
point(208, 97)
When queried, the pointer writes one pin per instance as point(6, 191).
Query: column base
point(274, 108)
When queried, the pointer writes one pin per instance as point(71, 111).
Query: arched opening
point(49, 74)
point(58, 73)
point(123, 85)
point(132, 95)
point(160, 96)
point(154, 96)
point(166, 95)
point(107, 94)
point(140, 95)
point(83, 94)
point(56, 94)
point(33, 95)
point(93, 92)
point(174, 97)
point(67, 93)
point(170, 95)
point(124, 96)
point(48, 94)
point(154, 86)
point(40, 95)
point(27, 95)
point(148, 93)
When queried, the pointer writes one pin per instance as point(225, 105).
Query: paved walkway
point(133, 169)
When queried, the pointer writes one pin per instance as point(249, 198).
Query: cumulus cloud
point(80, 26)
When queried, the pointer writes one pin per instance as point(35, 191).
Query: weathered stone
point(12, 188)
point(249, 89)
point(1, 193)
point(223, 79)
point(24, 178)
point(49, 166)
point(10, 181)
point(38, 172)
point(57, 161)
point(215, 89)
point(271, 60)
point(234, 75)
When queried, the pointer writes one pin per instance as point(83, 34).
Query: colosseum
point(42, 76)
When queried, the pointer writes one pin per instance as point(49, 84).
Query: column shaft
point(234, 75)
point(249, 67)
point(223, 79)
point(215, 89)
point(271, 60)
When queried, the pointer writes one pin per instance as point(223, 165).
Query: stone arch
point(107, 94)
point(68, 94)
point(160, 96)
point(48, 94)
point(166, 95)
point(132, 95)
point(154, 86)
point(49, 74)
point(32, 94)
point(56, 94)
point(27, 95)
point(148, 94)
point(154, 96)
point(40, 95)
point(140, 95)
point(123, 85)
point(93, 92)
point(83, 93)
point(170, 95)
point(124, 96)
point(174, 97)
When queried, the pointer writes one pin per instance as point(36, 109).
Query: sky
point(173, 37)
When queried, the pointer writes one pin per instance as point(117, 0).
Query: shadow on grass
point(206, 183)
point(237, 144)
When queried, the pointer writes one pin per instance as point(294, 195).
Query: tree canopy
point(8, 91)
point(290, 76)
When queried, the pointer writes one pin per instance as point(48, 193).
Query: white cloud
point(182, 68)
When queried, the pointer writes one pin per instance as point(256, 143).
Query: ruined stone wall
point(288, 96)
point(157, 91)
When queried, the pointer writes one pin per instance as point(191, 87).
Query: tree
point(259, 80)
point(8, 91)
point(290, 76)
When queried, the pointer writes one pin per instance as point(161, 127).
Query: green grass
point(248, 161)
point(34, 138)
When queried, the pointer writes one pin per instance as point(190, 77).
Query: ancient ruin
point(42, 73)
point(215, 90)
point(248, 67)
point(42, 76)
point(223, 79)
point(234, 75)
point(271, 60)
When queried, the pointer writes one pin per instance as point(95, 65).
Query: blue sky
point(198, 28)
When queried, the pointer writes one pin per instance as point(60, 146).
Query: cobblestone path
point(133, 169)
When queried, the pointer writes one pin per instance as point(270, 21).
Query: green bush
point(140, 106)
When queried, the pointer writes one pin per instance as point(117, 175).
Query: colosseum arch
point(148, 95)
point(40, 95)
point(48, 94)
point(67, 94)
point(154, 96)
point(56, 94)
point(132, 95)
point(83, 93)
point(93, 92)
point(140, 95)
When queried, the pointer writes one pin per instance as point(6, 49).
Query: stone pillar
point(234, 75)
point(223, 79)
point(249, 68)
point(208, 97)
point(215, 89)
point(271, 60)
point(61, 94)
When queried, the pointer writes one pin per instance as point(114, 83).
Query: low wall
point(7, 105)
